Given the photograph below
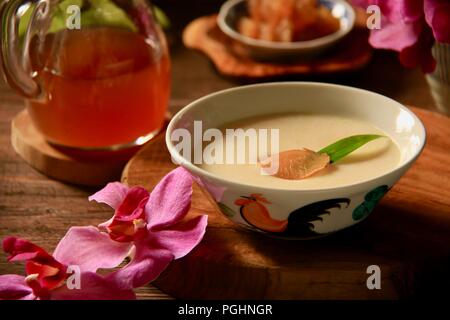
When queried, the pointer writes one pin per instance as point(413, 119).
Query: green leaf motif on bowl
point(370, 201)
point(226, 209)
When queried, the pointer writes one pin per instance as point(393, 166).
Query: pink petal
point(90, 249)
point(50, 271)
point(361, 3)
point(395, 36)
point(395, 10)
point(13, 287)
point(146, 265)
point(401, 10)
point(113, 194)
point(183, 237)
point(20, 250)
point(437, 15)
point(170, 200)
point(93, 287)
point(104, 225)
point(419, 54)
point(133, 205)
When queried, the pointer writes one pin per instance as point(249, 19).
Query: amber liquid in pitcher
point(103, 87)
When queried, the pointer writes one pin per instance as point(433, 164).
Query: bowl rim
point(296, 45)
point(196, 170)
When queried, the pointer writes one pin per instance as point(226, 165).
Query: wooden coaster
point(203, 34)
point(65, 165)
point(408, 237)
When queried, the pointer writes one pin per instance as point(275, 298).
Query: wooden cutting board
point(407, 236)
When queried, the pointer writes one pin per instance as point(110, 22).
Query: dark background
point(194, 76)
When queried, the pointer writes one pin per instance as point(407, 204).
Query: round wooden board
point(203, 34)
point(408, 237)
point(73, 168)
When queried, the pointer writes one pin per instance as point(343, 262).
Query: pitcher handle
point(15, 60)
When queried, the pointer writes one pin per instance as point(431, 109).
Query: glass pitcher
point(95, 73)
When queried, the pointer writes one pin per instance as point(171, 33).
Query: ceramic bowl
point(232, 10)
point(325, 210)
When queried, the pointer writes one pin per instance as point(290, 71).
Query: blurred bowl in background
point(233, 10)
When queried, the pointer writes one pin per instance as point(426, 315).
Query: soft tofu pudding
point(346, 147)
point(314, 132)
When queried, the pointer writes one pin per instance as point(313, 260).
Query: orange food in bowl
point(287, 20)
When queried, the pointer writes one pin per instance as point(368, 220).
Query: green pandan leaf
point(162, 18)
point(59, 16)
point(66, 3)
point(226, 209)
point(343, 147)
point(101, 13)
point(23, 24)
point(106, 13)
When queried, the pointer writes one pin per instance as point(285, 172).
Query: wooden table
point(41, 210)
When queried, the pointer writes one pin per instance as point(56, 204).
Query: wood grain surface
point(37, 208)
point(40, 209)
point(408, 236)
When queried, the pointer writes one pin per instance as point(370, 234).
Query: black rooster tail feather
point(300, 220)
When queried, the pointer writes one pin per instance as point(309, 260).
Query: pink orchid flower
point(46, 277)
point(148, 228)
point(411, 28)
